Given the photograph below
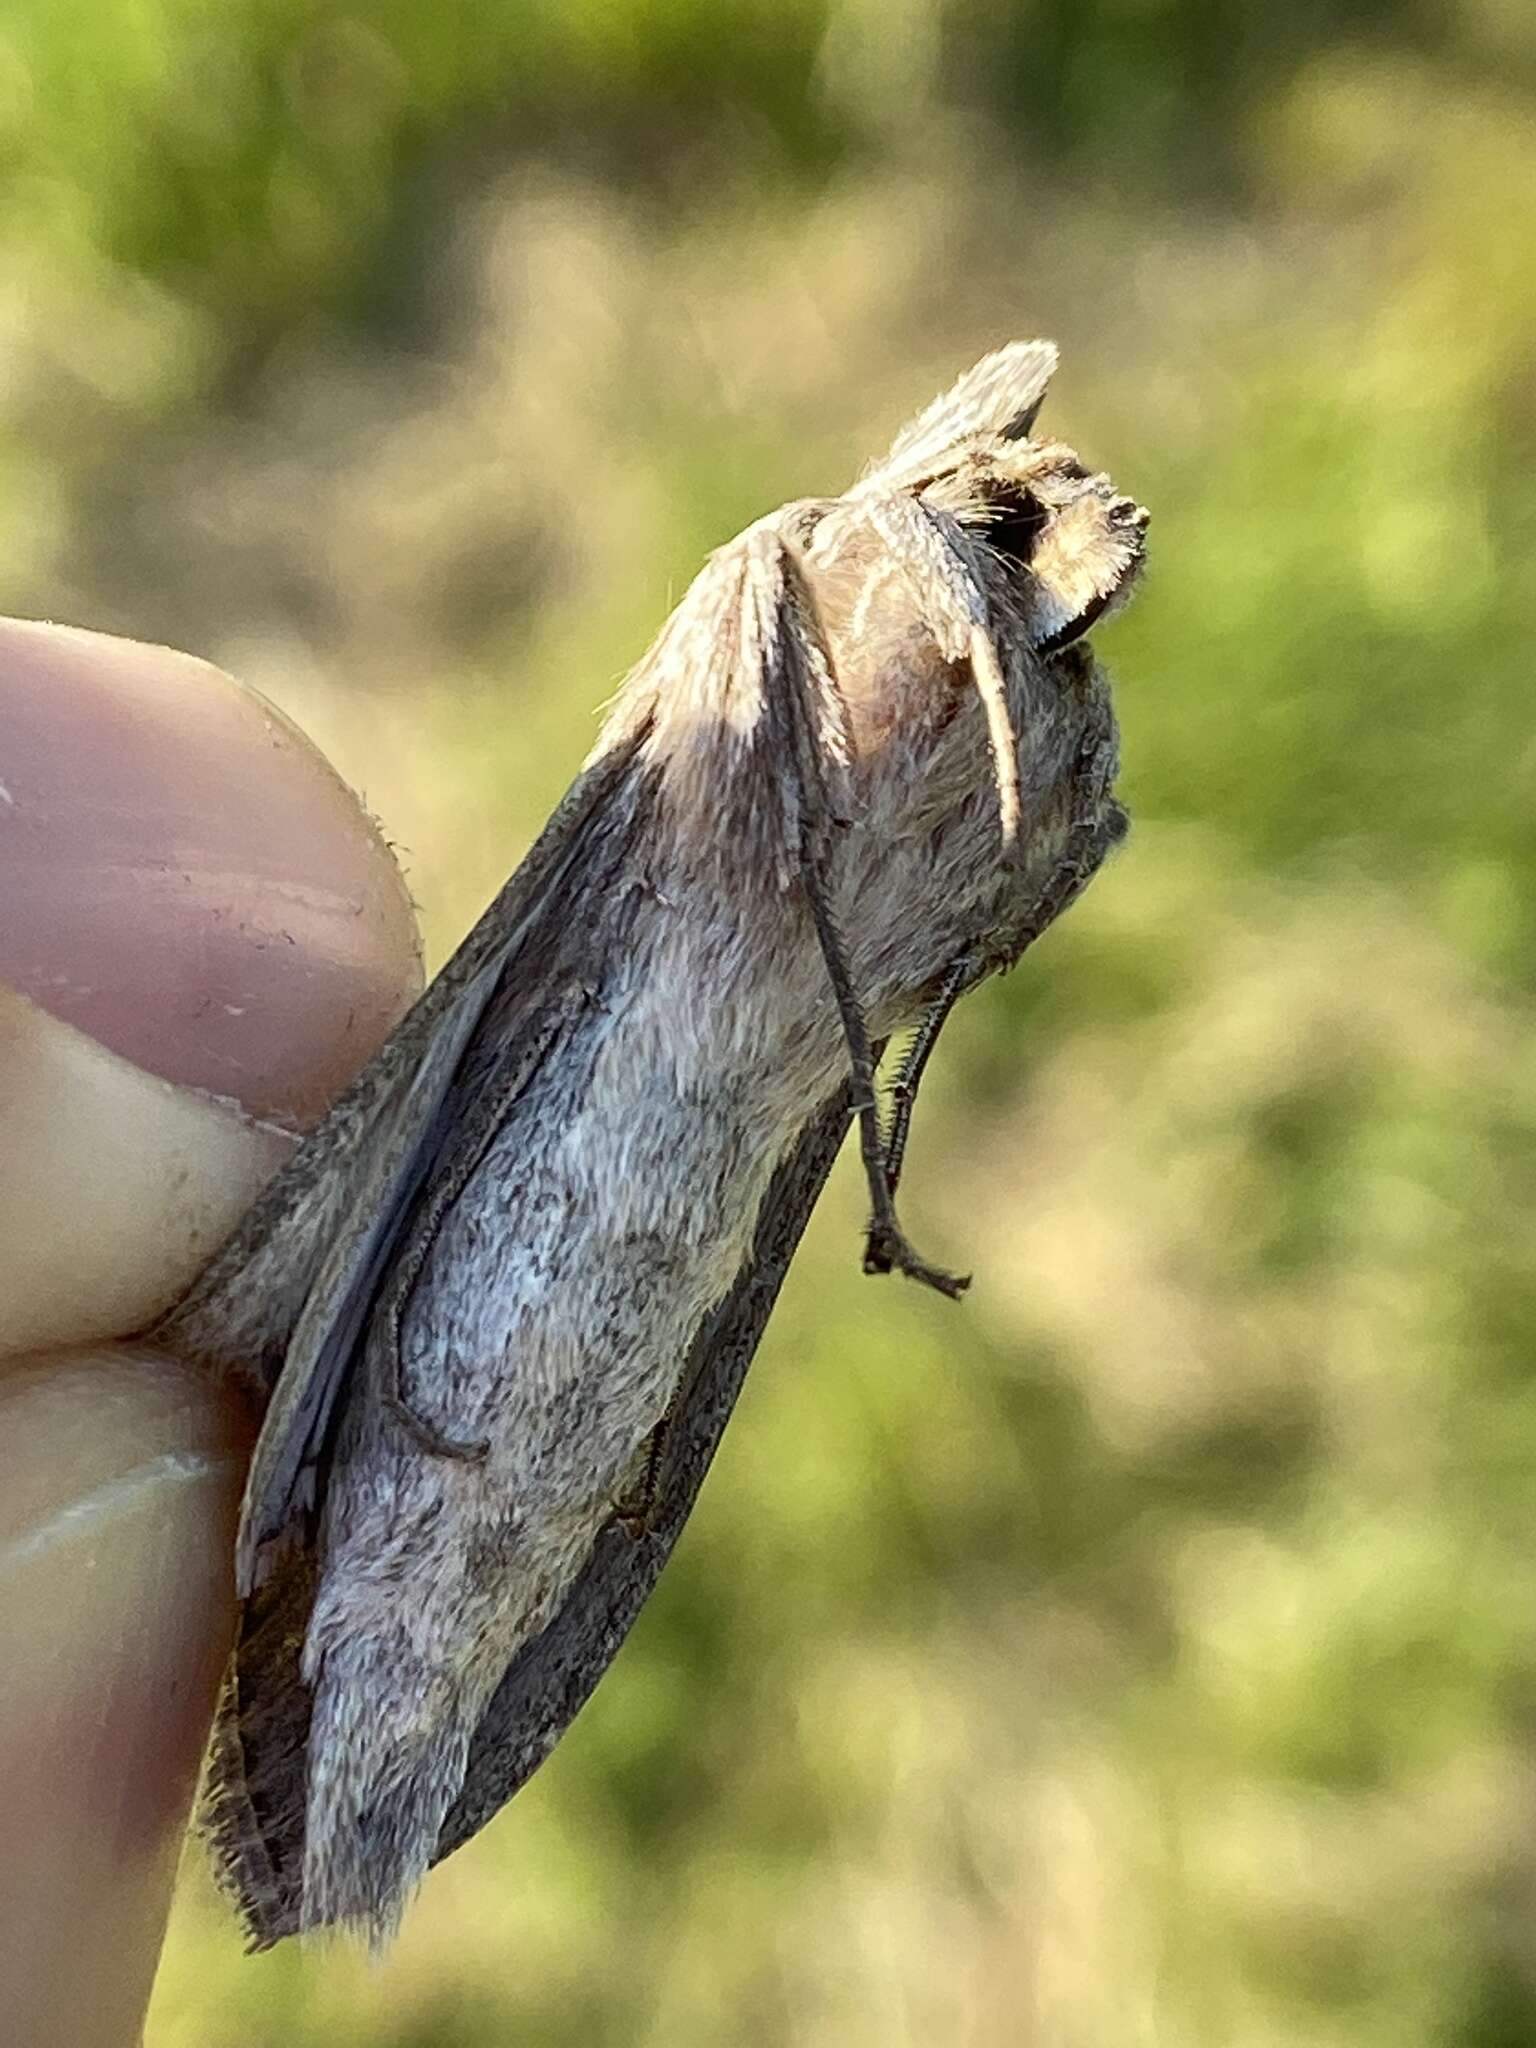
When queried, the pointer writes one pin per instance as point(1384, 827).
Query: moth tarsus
point(635, 1512)
point(914, 1059)
point(878, 1256)
point(503, 1298)
point(886, 1250)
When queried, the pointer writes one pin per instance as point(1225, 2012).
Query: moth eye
point(1017, 522)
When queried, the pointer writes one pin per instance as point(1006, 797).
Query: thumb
point(203, 936)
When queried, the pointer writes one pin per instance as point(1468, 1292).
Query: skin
point(201, 937)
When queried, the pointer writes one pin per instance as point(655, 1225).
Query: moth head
point(1070, 545)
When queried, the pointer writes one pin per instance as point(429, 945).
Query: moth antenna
point(935, 556)
point(993, 692)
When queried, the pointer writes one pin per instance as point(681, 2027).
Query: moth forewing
point(534, 1248)
point(281, 1486)
point(240, 1314)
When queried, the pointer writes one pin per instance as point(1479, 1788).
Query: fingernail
point(115, 1187)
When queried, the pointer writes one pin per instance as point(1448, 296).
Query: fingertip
point(203, 936)
point(184, 877)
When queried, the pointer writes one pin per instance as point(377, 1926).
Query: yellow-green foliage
point(1142, 1655)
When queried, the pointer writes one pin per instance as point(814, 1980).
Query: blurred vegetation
point(1144, 1653)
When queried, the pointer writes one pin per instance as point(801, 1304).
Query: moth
point(501, 1301)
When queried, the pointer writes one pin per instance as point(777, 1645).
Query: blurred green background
point(1144, 1652)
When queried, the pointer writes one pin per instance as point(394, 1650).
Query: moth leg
point(797, 659)
point(467, 1450)
point(904, 1090)
point(635, 1512)
point(886, 1244)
